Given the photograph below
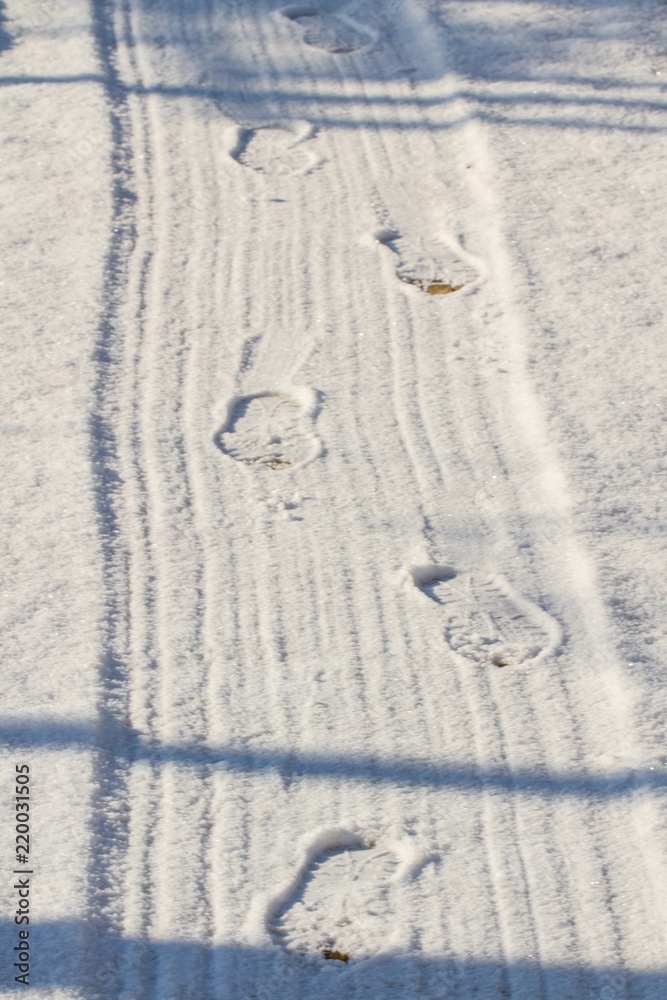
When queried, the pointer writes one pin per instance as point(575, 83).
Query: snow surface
point(334, 433)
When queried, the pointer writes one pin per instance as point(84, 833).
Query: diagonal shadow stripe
point(128, 745)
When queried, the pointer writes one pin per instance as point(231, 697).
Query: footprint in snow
point(342, 907)
point(333, 33)
point(270, 430)
point(437, 267)
point(284, 149)
point(485, 620)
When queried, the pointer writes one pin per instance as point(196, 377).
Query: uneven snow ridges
point(273, 624)
point(329, 511)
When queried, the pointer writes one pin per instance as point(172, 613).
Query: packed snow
point(334, 436)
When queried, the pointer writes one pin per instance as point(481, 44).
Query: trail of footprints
point(341, 908)
point(285, 147)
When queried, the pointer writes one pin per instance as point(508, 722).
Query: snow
point(334, 451)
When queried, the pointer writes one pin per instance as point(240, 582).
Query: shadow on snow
point(238, 972)
point(122, 746)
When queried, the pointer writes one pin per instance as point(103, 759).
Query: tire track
point(114, 742)
point(140, 963)
point(181, 902)
point(129, 837)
